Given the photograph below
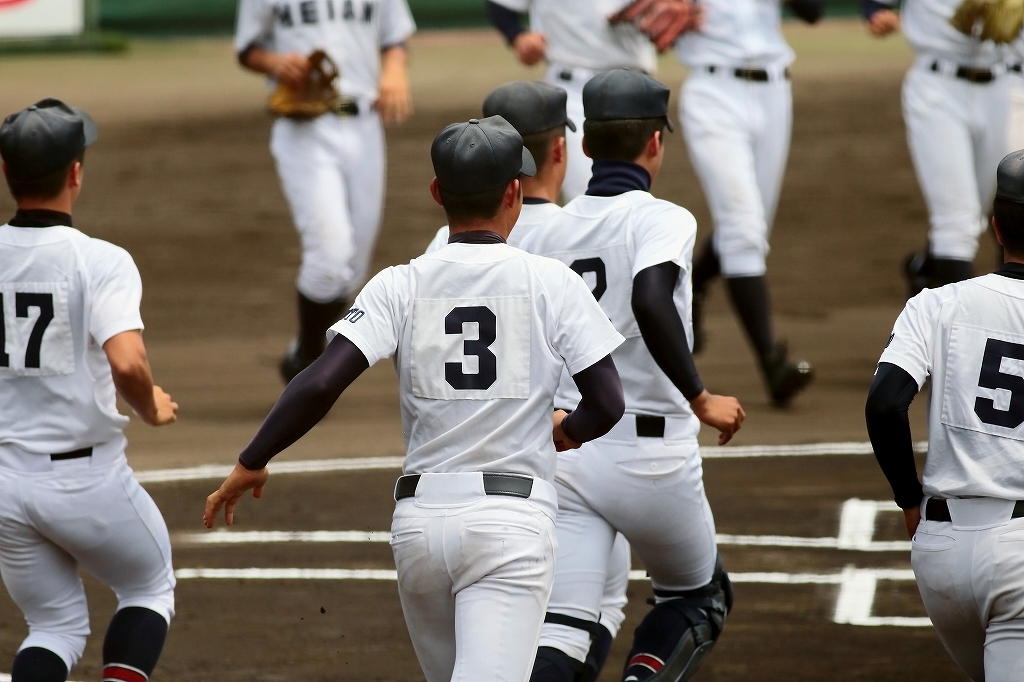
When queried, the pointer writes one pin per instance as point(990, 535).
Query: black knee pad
point(36, 664)
point(554, 665)
point(600, 646)
point(134, 641)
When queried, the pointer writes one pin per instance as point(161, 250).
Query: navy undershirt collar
point(533, 201)
point(1011, 270)
point(612, 177)
point(39, 217)
point(476, 237)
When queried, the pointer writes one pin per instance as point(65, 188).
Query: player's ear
point(558, 152)
point(513, 193)
point(75, 175)
point(654, 144)
point(585, 149)
point(435, 191)
point(995, 230)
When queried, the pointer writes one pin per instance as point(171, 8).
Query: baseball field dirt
point(183, 179)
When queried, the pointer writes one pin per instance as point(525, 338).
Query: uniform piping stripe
point(119, 672)
point(649, 661)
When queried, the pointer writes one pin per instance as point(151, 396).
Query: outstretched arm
point(662, 330)
point(599, 410)
point(530, 46)
point(133, 379)
point(290, 68)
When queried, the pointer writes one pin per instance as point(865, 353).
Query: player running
point(480, 333)
point(955, 106)
point(736, 111)
point(70, 337)
point(644, 478)
point(332, 167)
point(967, 520)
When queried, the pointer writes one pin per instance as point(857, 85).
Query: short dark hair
point(1009, 216)
point(466, 207)
point(46, 187)
point(540, 143)
point(623, 139)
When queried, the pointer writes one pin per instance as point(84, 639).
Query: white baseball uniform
point(1015, 119)
point(480, 334)
point(956, 129)
point(533, 216)
point(62, 296)
point(581, 43)
point(332, 168)
point(638, 486)
point(737, 131)
point(968, 338)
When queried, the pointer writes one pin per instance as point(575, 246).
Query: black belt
point(515, 485)
point(74, 454)
point(756, 75)
point(344, 106)
point(938, 510)
point(971, 74)
point(650, 427)
point(1016, 68)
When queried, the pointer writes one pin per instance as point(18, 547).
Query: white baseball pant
point(1015, 125)
point(971, 576)
point(332, 172)
point(89, 512)
point(614, 599)
point(737, 133)
point(956, 131)
point(474, 576)
point(650, 490)
point(578, 168)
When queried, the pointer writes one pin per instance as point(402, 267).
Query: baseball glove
point(662, 20)
point(316, 97)
point(997, 20)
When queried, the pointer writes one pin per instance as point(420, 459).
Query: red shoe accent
point(117, 672)
point(652, 663)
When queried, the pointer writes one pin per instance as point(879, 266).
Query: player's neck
point(61, 203)
point(1010, 258)
point(497, 225)
point(541, 186)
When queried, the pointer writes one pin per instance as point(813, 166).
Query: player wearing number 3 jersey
point(69, 338)
point(967, 520)
point(480, 333)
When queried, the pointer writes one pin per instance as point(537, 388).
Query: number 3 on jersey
point(35, 332)
point(471, 349)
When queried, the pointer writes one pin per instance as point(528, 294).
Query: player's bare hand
point(883, 22)
point(913, 518)
point(562, 441)
point(719, 412)
point(663, 20)
point(395, 100)
point(290, 68)
point(166, 411)
point(234, 487)
point(530, 47)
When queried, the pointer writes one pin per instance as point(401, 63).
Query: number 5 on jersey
point(35, 332)
point(471, 349)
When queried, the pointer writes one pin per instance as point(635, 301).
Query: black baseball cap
point(623, 93)
point(1010, 177)
point(479, 155)
point(530, 106)
point(45, 137)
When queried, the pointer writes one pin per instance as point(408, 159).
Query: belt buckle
point(344, 107)
point(565, 75)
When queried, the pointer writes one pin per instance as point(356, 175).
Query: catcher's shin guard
point(676, 636)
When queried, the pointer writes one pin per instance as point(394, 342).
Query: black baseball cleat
point(917, 269)
point(697, 316)
point(292, 363)
point(784, 378)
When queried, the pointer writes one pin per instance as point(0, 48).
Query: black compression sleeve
point(306, 400)
point(602, 405)
point(889, 399)
point(808, 10)
point(869, 7)
point(505, 20)
point(661, 327)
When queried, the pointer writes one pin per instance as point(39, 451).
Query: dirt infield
point(190, 191)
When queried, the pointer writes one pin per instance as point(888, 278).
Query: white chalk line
point(312, 466)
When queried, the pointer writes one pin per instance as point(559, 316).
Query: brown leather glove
point(996, 20)
point(662, 20)
point(316, 97)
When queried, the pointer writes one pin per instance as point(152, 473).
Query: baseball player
point(580, 38)
point(480, 333)
point(70, 337)
point(736, 111)
point(643, 479)
point(967, 520)
point(332, 167)
point(955, 105)
point(1015, 118)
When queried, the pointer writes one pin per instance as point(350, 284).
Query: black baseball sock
point(553, 665)
point(949, 270)
point(36, 664)
point(600, 647)
point(314, 321)
point(706, 266)
point(750, 299)
point(133, 644)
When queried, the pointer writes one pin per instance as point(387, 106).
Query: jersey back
point(480, 334)
point(62, 296)
point(607, 241)
point(531, 217)
point(969, 338)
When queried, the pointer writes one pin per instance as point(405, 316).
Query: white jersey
point(63, 296)
point(608, 240)
point(480, 334)
point(969, 338)
point(578, 33)
point(737, 33)
point(351, 32)
point(532, 217)
point(926, 25)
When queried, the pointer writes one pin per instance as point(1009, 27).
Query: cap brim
point(529, 167)
point(92, 133)
point(668, 124)
point(570, 125)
